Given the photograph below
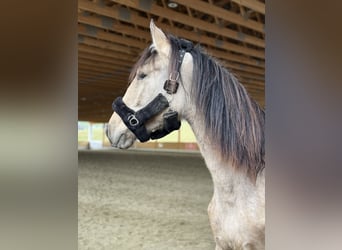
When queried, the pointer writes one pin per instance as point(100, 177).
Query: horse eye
point(141, 76)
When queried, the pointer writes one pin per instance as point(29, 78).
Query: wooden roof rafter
point(112, 34)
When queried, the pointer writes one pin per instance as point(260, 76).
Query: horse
point(174, 80)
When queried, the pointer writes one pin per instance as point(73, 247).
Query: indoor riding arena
point(155, 194)
point(143, 200)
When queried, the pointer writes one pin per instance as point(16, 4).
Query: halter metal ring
point(133, 121)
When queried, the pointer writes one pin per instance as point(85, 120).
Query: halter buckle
point(171, 86)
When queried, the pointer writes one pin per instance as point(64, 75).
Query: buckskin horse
point(175, 80)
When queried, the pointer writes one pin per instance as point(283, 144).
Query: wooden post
point(90, 133)
point(179, 137)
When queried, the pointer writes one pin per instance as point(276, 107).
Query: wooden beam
point(96, 101)
point(256, 89)
point(96, 21)
point(256, 83)
point(96, 111)
point(193, 22)
point(105, 45)
point(96, 106)
point(97, 117)
point(113, 12)
point(108, 23)
point(101, 65)
point(100, 34)
point(116, 74)
point(102, 85)
point(90, 80)
point(95, 69)
point(91, 77)
point(100, 61)
point(244, 68)
point(106, 36)
point(222, 13)
point(252, 4)
point(104, 59)
point(95, 114)
point(216, 53)
point(86, 103)
point(255, 95)
point(92, 88)
point(230, 65)
point(241, 74)
point(106, 53)
point(89, 91)
point(85, 74)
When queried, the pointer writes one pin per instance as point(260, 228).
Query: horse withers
point(175, 80)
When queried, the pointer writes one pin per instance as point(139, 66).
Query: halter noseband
point(135, 120)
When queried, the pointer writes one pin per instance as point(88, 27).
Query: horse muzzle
point(118, 134)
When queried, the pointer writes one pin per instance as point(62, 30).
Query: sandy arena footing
point(143, 200)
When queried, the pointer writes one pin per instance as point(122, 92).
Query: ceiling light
point(172, 4)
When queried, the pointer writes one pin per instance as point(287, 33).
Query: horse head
point(155, 99)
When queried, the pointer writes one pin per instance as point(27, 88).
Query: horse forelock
point(233, 120)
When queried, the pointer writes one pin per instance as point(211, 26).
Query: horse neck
point(230, 185)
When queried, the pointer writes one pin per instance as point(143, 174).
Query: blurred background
point(40, 94)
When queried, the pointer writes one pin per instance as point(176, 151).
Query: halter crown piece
point(135, 120)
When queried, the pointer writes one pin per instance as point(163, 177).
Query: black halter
point(135, 120)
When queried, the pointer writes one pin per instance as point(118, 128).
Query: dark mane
point(232, 119)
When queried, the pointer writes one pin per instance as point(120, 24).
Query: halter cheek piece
point(135, 120)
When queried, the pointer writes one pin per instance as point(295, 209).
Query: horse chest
point(225, 225)
point(232, 226)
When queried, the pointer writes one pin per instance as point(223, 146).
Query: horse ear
point(159, 39)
